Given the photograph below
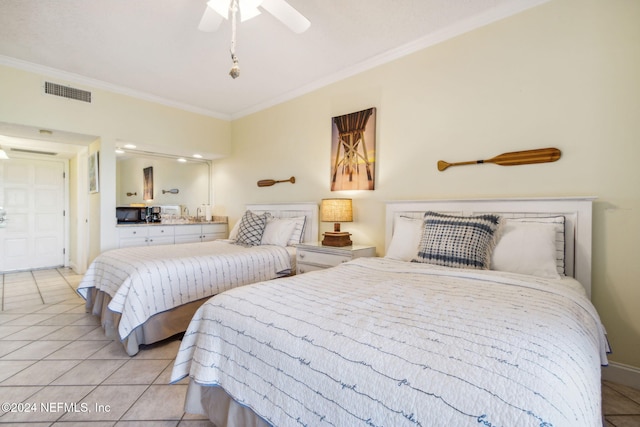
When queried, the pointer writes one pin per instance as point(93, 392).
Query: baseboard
point(622, 374)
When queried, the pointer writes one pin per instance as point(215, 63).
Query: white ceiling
point(152, 49)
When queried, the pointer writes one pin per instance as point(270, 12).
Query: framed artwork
point(94, 175)
point(148, 183)
point(353, 150)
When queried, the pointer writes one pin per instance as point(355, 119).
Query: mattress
point(144, 281)
point(380, 342)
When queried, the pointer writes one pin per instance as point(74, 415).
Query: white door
point(32, 196)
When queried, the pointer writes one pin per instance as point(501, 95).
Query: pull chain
point(235, 69)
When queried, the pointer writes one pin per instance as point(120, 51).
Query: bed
point(396, 341)
point(146, 294)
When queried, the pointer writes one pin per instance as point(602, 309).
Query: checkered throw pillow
point(458, 241)
point(251, 228)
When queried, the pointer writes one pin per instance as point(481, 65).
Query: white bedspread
point(144, 281)
point(378, 342)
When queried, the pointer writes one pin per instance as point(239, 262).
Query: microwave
point(130, 215)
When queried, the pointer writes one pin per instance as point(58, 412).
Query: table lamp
point(336, 211)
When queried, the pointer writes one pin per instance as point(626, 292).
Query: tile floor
point(54, 354)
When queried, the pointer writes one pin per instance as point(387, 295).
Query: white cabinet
point(200, 232)
point(161, 235)
point(315, 256)
point(145, 235)
point(214, 231)
point(189, 233)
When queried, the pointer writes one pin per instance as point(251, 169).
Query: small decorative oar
point(270, 182)
point(541, 155)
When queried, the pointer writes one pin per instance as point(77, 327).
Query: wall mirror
point(191, 177)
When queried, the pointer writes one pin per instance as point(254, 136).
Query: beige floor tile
point(155, 423)
point(615, 403)
point(36, 350)
point(8, 347)
point(71, 332)
point(63, 307)
point(159, 402)
point(108, 402)
point(42, 372)
point(6, 317)
point(17, 394)
point(64, 319)
point(96, 334)
point(629, 392)
point(17, 292)
point(29, 303)
point(84, 424)
point(195, 423)
point(34, 332)
point(115, 350)
point(91, 372)
point(30, 319)
point(6, 331)
point(86, 319)
point(9, 368)
point(624, 420)
point(138, 372)
point(78, 350)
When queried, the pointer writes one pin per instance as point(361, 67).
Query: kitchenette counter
point(169, 233)
point(215, 220)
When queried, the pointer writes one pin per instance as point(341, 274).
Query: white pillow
point(406, 238)
point(233, 234)
point(527, 248)
point(558, 224)
point(278, 232)
point(298, 231)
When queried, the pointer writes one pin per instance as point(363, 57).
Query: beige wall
point(564, 74)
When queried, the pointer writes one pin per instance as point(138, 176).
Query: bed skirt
point(159, 327)
point(221, 409)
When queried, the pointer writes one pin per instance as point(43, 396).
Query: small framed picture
point(94, 175)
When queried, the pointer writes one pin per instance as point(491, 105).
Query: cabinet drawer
point(214, 228)
point(305, 268)
point(127, 232)
point(159, 230)
point(183, 230)
point(321, 259)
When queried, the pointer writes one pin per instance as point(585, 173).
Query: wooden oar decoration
point(541, 155)
point(270, 182)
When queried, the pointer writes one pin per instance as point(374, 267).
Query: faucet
point(186, 212)
point(198, 212)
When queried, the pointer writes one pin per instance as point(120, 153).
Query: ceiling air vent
point(67, 92)
point(24, 150)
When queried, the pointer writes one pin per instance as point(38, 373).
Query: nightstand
point(315, 256)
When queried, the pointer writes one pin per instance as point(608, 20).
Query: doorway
point(32, 197)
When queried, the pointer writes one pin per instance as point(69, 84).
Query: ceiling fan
point(217, 10)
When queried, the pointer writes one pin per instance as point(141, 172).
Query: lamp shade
point(336, 210)
point(3, 155)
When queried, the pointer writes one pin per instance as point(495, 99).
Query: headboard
point(290, 210)
point(576, 210)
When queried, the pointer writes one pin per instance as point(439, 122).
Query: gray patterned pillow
point(458, 241)
point(251, 228)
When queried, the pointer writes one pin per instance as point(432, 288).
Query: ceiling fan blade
point(210, 20)
point(284, 12)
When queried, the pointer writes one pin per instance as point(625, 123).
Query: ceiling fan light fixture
point(248, 8)
point(220, 6)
